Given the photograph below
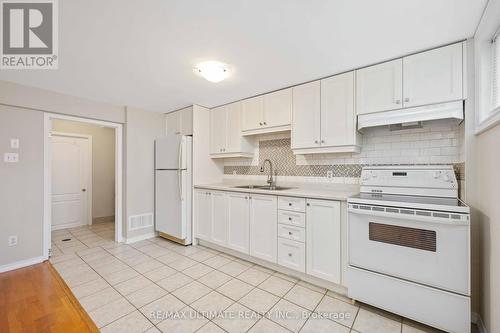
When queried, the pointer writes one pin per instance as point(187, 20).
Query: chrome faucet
point(270, 179)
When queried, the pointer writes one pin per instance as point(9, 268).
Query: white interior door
point(71, 176)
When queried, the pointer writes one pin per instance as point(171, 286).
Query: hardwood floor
point(36, 299)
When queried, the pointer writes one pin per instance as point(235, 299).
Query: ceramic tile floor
point(159, 286)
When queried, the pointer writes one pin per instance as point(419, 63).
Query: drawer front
point(291, 218)
point(292, 233)
point(292, 254)
point(293, 204)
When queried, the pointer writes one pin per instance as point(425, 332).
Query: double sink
point(264, 187)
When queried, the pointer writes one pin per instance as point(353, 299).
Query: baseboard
point(140, 238)
point(476, 319)
point(103, 219)
point(21, 264)
point(66, 226)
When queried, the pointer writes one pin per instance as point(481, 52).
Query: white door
point(306, 103)
point(264, 227)
point(323, 239)
point(219, 218)
point(202, 214)
point(238, 222)
point(233, 141)
point(338, 124)
point(380, 87)
point(71, 176)
point(278, 108)
point(434, 76)
point(252, 113)
point(218, 128)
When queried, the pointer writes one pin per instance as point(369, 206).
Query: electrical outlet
point(11, 157)
point(329, 174)
point(13, 240)
point(234, 172)
point(14, 143)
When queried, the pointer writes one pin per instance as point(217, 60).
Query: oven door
point(426, 250)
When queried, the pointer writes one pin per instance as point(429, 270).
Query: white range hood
point(454, 110)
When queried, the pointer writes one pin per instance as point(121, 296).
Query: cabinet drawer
point(293, 204)
point(292, 254)
point(291, 218)
point(293, 233)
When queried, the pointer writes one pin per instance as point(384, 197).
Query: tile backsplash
point(437, 142)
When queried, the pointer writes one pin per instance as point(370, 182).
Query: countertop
point(326, 191)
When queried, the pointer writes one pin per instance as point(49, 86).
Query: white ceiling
point(141, 53)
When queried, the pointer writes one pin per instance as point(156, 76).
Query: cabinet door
point(379, 87)
point(306, 102)
point(186, 121)
point(218, 127)
point(278, 108)
point(252, 113)
point(338, 124)
point(233, 142)
point(323, 239)
point(219, 218)
point(202, 214)
point(238, 222)
point(264, 227)
point(434, 76)
point(173, 121)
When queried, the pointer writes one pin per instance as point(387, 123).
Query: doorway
point(83, 178)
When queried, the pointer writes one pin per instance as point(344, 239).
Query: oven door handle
point(426, 219)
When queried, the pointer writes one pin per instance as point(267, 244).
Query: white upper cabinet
point(380, 87)
point(225, 133)
point(434, 76)
point(323, 240)
point(267, 113)
point(338, 116)
point(278, 108)
point(264, 227)
point(180, 122)
point(238, 237)
point(306, 105)
point(253, 113)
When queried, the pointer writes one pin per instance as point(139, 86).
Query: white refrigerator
point(173, 187)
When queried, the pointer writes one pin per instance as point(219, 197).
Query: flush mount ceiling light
point(212, 71)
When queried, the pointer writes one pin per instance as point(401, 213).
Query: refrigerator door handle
point(179, 184)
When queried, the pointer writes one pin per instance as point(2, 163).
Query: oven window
point(410, 237)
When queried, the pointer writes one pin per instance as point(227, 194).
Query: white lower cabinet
point(219, 218)
point(292, 254)
point(263, 227)
point(323, 239)
point(238, 237)
point(202, 214)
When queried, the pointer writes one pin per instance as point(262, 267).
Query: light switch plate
point(13, 240)
point(329, 174)
point(11, 157)
point(14, 143)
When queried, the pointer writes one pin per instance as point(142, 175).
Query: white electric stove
point(409, 245)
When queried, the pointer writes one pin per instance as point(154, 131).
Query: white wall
point(103, 163)
point(141, 129)
point(21, 185)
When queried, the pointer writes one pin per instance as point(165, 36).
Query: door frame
point(90, 171)
point(47, 183)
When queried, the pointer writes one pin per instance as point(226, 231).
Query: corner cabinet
point(180, 122)
point(267, 113)
point(225, 133)
point(434, 76)
point(323, 116)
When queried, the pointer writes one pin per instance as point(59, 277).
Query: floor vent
point(140, 221)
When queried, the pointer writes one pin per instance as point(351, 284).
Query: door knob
point(84, 190)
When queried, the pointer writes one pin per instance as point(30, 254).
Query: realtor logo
point(29, 34)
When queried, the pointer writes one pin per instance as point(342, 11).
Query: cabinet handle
point(316, 141)
point(308, 204)
point(289, 219)
point(407, 99)
point(289, 204)
point(398, 101)
point(322, 141)
point(290, 233)
point(260, 124)
point(289, 254)
point(265, 123)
